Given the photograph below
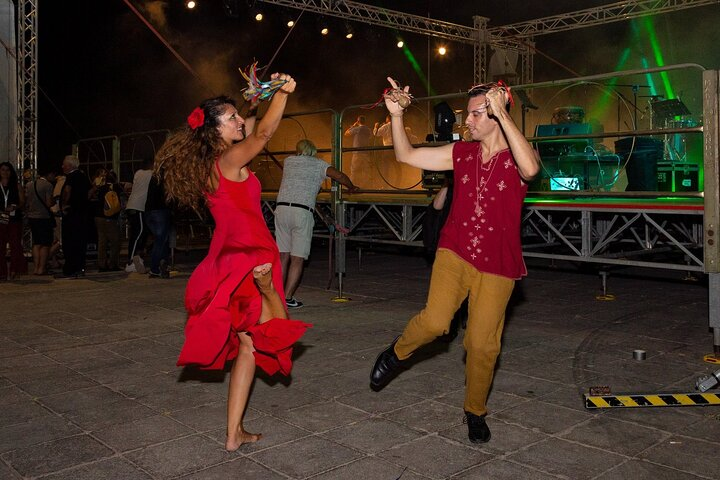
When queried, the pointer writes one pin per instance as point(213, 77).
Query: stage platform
point(662, 231)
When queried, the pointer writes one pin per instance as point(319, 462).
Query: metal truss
point(669, 239)
point(518, 36)
point(383, 17)
point(27, 95)
point(388, 222)
point(614, 12)
point(393, 223)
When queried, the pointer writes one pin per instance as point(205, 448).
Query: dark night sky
point(108, 74)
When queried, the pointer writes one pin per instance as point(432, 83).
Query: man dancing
point(479, 253)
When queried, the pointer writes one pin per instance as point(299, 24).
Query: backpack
point(111, 203)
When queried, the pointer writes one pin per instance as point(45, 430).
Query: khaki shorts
point(293, 230)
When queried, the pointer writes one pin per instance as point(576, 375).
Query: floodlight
point(442, 50)
point(349, 31)
point(190, 4)
point(444, 121)
point(400, 44)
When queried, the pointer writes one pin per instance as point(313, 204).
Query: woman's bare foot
point(263, 277)
point(232, 444)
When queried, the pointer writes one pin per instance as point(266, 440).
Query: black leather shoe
point(386, 367)
point(478, 431)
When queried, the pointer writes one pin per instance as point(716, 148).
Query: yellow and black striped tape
point(652, 400)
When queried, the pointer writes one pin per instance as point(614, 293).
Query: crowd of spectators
point(71, 216)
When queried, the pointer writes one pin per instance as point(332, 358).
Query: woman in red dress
point(234, 298)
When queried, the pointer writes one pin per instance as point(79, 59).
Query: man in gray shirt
point(303, 175)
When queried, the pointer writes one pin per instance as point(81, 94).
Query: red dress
point(221, 296)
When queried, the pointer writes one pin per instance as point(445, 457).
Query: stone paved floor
point(89, 387)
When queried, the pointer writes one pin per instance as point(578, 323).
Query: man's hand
point(353, 189)
point(397, 100)
point(496, 100)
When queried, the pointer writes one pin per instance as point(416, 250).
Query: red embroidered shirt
point(483, 226)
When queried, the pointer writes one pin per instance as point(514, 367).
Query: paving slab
point(89, 387)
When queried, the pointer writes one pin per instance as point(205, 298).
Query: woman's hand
point(290, 83)
point(397, 100)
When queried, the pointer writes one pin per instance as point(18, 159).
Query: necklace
point(480, 182)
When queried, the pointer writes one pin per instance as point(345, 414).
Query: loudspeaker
point(642, 154)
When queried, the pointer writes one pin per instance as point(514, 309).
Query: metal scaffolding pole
point(27, 49)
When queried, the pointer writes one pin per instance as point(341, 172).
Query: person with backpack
point(38, 201)
point(107, 223)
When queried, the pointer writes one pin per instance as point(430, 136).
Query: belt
point(297, 205)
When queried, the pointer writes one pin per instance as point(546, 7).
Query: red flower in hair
point(196, 118)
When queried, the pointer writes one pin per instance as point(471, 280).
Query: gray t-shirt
point(302, 178)
point(138, 195)
point(34, 208)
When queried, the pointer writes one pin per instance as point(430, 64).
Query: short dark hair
point(484, 88)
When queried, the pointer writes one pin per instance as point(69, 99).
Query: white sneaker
point(139, 264)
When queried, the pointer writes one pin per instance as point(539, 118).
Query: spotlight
point(258, 16)
point(442, 50)
point(349, 31)
point(324, 31)
point(291, 23)
point(190, 4)
point(400, 44)
point(444, 121)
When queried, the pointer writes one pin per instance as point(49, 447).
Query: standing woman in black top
point(11, 225)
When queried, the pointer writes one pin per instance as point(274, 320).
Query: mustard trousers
point(452, 280)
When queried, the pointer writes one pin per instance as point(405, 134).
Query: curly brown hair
point(185, 161)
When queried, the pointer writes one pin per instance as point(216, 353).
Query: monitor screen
point(564, 183)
